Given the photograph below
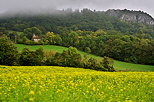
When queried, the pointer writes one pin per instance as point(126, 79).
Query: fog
point(102, 5)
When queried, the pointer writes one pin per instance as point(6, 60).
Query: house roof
point(35, 37)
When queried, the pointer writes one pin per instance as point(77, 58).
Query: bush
point(8, 52)
point(108, 64)
point(69, 58)
point(72, 58)
point(32, 58)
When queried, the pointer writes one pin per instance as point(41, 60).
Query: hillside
point(96, 32)
point(118, 65)
point(86, 19)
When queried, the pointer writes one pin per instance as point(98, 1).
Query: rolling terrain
point(124, 35)
point(46, 72)
point(118, 65)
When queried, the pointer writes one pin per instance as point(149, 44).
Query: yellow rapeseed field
point(63, 84)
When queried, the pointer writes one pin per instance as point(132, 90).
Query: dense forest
point(90, 31)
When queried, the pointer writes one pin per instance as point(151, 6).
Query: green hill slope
point(118, 65)
point(45, 47)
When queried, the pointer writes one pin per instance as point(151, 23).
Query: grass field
point(62, 84)
point(118, 65)
point(45, 47)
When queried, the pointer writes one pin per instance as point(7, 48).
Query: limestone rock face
point(133, 16)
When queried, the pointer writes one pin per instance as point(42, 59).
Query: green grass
point(63, 84)
point(45, 47)
point(118, 65)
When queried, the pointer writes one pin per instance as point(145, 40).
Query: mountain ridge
point(132, 16)
point(125, 15)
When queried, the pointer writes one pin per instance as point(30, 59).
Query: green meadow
point(118, 65)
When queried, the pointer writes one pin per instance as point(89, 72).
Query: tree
point(2, 31)
point(8, 52)
point(51, 38)
point(39, 56)
point(25, 40)
point(100, 32)
point(31, 58)
point(88, 50)
point(19, 27)
point(73, 38)
point(96, 65)
point(108, 64)
point(30, 31)
point(27, 57)
point(69, 58)
point(13, 36)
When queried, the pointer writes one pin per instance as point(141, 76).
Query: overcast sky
point(103, 5)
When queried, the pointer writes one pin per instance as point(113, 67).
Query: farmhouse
point(35, 38)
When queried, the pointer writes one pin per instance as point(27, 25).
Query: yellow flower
point(31, 92)
point(128, 100)
point(31, 99)
point(94, 88)
point(121, 90)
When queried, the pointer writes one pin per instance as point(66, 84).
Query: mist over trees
point(67, 20)
point(90, 31)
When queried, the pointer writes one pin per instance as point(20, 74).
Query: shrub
point(8, 52)
point(31, 58)
point(72, 58)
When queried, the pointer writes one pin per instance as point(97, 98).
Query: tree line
point(9, 55)
point(129, 48)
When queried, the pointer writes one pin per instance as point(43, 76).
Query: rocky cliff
point(133, 16)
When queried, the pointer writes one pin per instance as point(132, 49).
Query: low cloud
point(33, 5)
